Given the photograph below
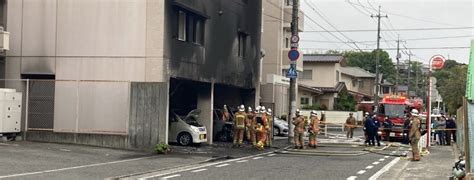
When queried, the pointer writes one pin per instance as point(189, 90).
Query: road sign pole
point(292, 100)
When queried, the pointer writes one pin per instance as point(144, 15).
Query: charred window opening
point(242, 44)
point(190, 27)
point(182, 22)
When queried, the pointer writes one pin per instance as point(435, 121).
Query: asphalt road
point(282, 166)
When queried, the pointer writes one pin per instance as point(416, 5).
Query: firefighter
point(350, 125)
point(260, 128)
point(313, 129)
point(415, 134)
point(250, 115)
point(239, 126)
point(252, 124)
point(269, 124)
point(225, 114)
point(299, 123)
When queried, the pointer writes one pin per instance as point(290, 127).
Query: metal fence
point(73, 106)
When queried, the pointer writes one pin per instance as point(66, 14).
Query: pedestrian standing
point(406, 129)
point(440, 128)
point(415, 134)
point(369, 126)
point(450, 130)
point(350, 125)
point(366, 136)
point(376, 129)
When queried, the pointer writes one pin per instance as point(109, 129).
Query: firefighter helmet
point(242, 108)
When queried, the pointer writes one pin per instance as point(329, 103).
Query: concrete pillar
point(205, 102)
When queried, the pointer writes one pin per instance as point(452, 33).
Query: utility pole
point(409, 73)
point(398, 65)
point(377, 59)
point(416, 78)
point(294, 32)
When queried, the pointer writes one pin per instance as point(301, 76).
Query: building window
point(198, 34)
point(307, 74)
point(190, 27)
point(287, 42)
point(386, 90)
point(361, 84)
point(242, 44)
point(304, 100)
point(289, 2)
point(337, 76)
point(354, 83)
point(182, 23)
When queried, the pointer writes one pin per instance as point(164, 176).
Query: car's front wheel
point(185, 139)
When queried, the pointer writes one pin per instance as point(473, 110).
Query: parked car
point(280, 127)
point(185, 129)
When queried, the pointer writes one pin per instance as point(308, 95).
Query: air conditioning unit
point(4, 40)
point(10, 111)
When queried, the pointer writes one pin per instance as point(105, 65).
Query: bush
point(162, 148)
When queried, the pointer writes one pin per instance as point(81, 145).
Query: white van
point(186, 130)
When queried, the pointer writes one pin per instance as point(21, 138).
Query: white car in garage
point(185, 129)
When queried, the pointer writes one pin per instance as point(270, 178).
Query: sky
point(336, 16)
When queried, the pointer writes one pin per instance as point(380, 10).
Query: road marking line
point(257, 158)
point(222, 165)
point(172, 176)
point(393, 152)
point(193, 167)
point(375, 163)
point(242, 161)
point(361, 172)
point(386, 156)
point(384, 169)
point(74, 167)
point(199, 170)
point(369, 167)
point(270, 155)
point(352, 178)
point(382, 159)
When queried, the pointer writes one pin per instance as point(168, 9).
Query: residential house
point(359, 82)
point(329, 74)
point(322, 71)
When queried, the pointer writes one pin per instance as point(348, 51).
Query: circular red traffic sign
point(437, 62)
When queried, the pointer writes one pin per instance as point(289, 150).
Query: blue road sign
point(293, 54)
point(292, 72)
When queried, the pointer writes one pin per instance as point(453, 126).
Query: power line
point(407, 29)
point(394, 40)
point(409, 17)
point(320, 14)
point(418, 48)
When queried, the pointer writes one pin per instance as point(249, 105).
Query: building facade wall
point(324, 74)
point(217, 59)
point(91, 54)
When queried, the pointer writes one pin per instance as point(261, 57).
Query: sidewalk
point(437, 165)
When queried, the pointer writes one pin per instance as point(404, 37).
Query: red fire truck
point(392, 110)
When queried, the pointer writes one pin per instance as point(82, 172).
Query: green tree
point(451, 83)
point(366, 60)
point(345, 101)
